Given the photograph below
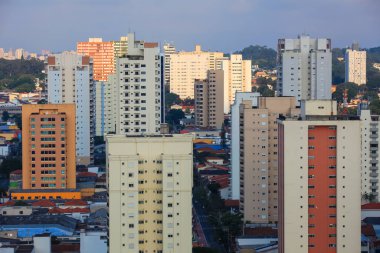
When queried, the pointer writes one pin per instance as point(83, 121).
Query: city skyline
point(225, 26)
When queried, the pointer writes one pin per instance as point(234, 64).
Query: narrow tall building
point(48, 152)
point(237, 78)
point(259, 156)
point(304, 68)
point(169, 49)
point(137, 91)
point(319, 181)
point(102, 54)
point(248, 97)
point(356, 65)
point(185, 67)
point(150, 200)
point(69, 80)
point(370, 127)
point(208, 100)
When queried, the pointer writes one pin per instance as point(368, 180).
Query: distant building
point(208, 100)
point(185, 67)
point(304, 68)
point(150, 182)
point(102, 54)
point(19, 53)
point(356, 65)
point(69, 80)
point(169, 49)
point(237, 78)
point(319, 181)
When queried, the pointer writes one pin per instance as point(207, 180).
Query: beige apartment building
point(259, 156)
point(209, 100)
point(237, 78)
point(150, 200)
point(356, 65)
point(319, 181)
point(169, 49)
point(185, 67)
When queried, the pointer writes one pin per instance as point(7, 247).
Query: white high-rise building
point(370, 128)
point(237, 78)
point(69, 80)
point(1, 53)
point(185, 67)
point(136, 91)
point(169, 49)
point(149, 180)
point(356, 65)
point(304, 68)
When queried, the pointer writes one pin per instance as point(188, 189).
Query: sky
point(220, 25)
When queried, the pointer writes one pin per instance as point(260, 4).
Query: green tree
point(174, 116)
point(42, 101)
point(21, 203)
point(261, 55)
point(10, 164)
point(5, 116)
point(374, 106)
point(172, 99)
point(353, 90)
point(18, 120)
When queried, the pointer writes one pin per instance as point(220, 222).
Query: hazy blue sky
point(224, 25)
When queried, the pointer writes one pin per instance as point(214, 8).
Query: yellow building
point(150, 181)
point(185, 67)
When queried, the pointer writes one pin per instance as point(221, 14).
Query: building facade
point(252, 97)
point(102, 54)
point(169, 49)
point(370, 126)
point(259, 156)
point(136, 91)
point(208, 100)
point(150, 199)
point(69, 80)
point(304, 68)
point(237, 78)
point(48, 147)
point(356, 65)
point(319, 181)
point(185, 67)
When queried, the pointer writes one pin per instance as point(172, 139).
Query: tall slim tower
point(304, 68)
point(69, 79)
point(319, 181)
point(150, 182)
point(169, 49)
point(356, 65)
point(237, 78)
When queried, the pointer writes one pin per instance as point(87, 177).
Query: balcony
point(373, 174)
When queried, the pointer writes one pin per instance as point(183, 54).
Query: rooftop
point(61, 220)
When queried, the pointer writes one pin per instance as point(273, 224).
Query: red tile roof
point(75, 202)
point(17, 172)
point(368, 230)
point(261, 231)
point(231, 203)
point(370, 206)
point(69, 210)
point(43, 203)
point(87, 174)
point(8, 203)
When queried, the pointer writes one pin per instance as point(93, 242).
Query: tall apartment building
point(100, 107)
point(136, 90)
point(19, 52)
point(120, 47)
point(304, 68)
point(319, 181)
point(102, 54)
point(252, 98)
point(370, 126)
point(48, 152)
point(259, 156)
point(69, 80)
point(356, 65)
point(150, 199)
point(237, 78)
point(209, 98)
point(169, 49)
point(185, 67)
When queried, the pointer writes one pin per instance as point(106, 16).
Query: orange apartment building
point(319, 181)
point(102, 54)
point(48, 147)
